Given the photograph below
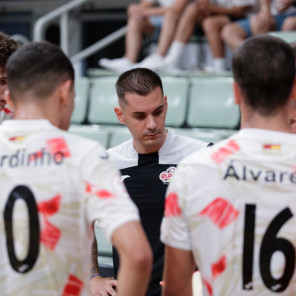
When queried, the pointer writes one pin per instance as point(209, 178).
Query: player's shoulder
point(176, 147)
point(124, 154)
point(214, 154)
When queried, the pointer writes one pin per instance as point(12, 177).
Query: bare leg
point(233, 35)
point(133, 42)
point(289, 24)
point(169, 25)
point(191, 16)
point(212, 26)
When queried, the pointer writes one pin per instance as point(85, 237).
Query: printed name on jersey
point(21, 158)
point(244, 173)
point(166, 176)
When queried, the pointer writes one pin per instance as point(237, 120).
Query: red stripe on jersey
point(219, 266)
point(58, 145)
point(50, 234)
point(73, 287)
point(221, 212)
point(7, 111)
point(101, 193)
point(171, 205)
point(208, 286)
point(50, 207)
point(222, 153)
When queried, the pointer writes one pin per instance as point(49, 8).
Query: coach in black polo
point(148, 160)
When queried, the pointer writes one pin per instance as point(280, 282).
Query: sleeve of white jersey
point(174, 229)
point(107, 201)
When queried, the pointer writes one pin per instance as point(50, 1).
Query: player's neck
point(278, 122)
point(34, 112)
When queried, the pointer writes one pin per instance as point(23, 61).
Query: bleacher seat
point(211, 103)
point(92, 132)
point(176, 89)
point(118, 135)
point(206, 136)
point(103, 99)
point(81, 100)
point(288, 36)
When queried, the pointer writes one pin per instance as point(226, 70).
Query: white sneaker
point(153, 62)
point(117, 65)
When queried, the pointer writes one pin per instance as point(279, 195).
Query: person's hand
point(136, 11)
point(263, 22)
point(282, 5)
point(100, 286)
point(203, 5)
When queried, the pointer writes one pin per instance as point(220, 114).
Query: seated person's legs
point(212, 27)
point(136, 28)
point(235, 33)
point(191, 16)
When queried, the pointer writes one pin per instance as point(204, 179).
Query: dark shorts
point(279, 20)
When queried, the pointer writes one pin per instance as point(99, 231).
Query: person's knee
point(190, 12)
point(227, 32)
point(289, 24)
point(209, 26)
point(172, 12)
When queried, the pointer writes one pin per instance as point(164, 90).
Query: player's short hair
point(141, 81)
point(264, 69)
point(7, 47)
point(38, 68)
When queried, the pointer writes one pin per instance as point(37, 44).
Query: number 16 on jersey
point(269, 245)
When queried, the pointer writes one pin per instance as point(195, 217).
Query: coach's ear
point(119, 114)
point(236, 93)
point(293, 92)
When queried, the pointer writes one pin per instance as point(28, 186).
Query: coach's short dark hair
point(38, 68)
point(141, 81)
point(7, 47)
point(264, 68)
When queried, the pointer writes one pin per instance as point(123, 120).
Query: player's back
point(45, 235)
point(241, 209)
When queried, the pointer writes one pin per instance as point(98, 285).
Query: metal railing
point(62, 13)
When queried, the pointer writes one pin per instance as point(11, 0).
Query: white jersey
point(54, 185)
point(234, 206)
point(5, 114)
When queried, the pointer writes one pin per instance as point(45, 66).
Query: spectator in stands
point(147, 161)
point(226, 205)
point(7, 47)
point(64, 182)
point(212, 16)
point(146, 19)
point(274, 15)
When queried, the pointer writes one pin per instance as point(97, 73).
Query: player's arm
point(100, 286)
point(179, 266)
point(135, 259)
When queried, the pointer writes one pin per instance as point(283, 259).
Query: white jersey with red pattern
point(5, 114)
point(234, 206)
point(54, 185)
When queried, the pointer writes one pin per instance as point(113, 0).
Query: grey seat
point(103, 98)
point(81, 100)
point(211, 103)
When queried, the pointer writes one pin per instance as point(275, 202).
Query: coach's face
point(145, 119)
point(3, 87)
